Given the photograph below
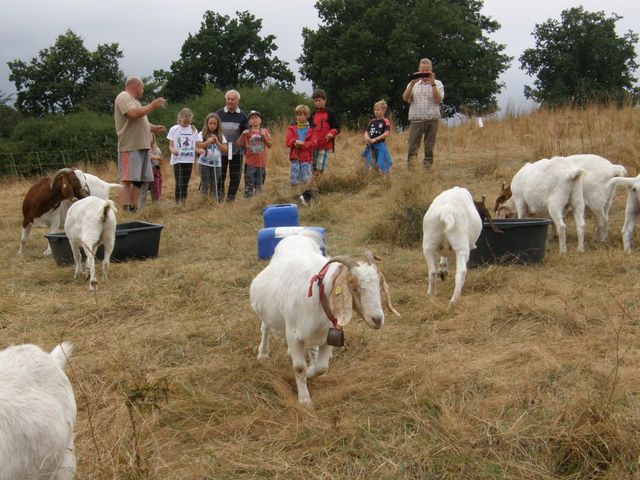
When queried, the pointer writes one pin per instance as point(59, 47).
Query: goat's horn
point(370, 257)
point(504, 184)
point(484, 197)
point(349, 262)
point(58, 173)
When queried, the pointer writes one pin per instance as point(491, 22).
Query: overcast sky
point(151, 37)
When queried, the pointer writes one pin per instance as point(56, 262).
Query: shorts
point(135, 166)
point(300, 172)
point(320, 160)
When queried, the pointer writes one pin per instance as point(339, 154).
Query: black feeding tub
point(134, 241)
point(524, 241)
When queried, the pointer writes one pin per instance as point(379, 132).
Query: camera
point(415, 75)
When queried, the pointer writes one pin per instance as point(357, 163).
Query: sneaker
point(303, 201)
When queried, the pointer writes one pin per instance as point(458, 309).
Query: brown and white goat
point(42, 200)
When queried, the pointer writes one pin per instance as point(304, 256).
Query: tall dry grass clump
point(533, 375)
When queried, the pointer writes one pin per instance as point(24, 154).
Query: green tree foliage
point(365, 50)
point(225, 53)
point(580, 60)
point(61, 77)
point(275, 104)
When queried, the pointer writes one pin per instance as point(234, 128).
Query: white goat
point(632, 211)
point(452, 222)
point(288, 300)
point(595, 189)
point(37, 414)
point(551, 185)
point(95, 185)
point(91, 222)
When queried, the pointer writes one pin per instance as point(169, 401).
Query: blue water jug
point(281, 215)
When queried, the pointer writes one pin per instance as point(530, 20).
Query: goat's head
point(503, 196)
point(66, 181)
point(483, 211)
point(506, 209)
point(360, 286)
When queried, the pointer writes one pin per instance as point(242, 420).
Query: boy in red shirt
point(326, 125)
point(301, 140)
point(255, 140)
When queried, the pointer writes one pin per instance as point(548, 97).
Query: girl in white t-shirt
point(215, 145)
point(182, 145)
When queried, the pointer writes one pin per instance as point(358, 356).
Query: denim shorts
point(320, 160)
point(300, 172)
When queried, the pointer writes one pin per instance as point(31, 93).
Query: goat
point(632, 211)
point(289, 301)
point(41, 203)
point(503, 196)
point(91, 222)
point(596, 193)
point(552, 185)
point(37, 414)
point(95, 185)
point(452, 222)
point(483, 211)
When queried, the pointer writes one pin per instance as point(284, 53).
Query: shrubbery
point(30, 145)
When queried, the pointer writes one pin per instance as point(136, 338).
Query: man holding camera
point(423, 94)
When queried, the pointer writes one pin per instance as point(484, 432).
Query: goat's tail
point(449, 220)
point(576, 174)
point(61, 353)
point(108, 205)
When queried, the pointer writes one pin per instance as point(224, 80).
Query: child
point(379, 128)
point(154, 187)
point(325, 124)
point(254, 140)
point(214, 144)
point(182, 145)
point(301, 140)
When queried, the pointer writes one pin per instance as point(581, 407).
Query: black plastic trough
point(523, 242)
point(134, 241)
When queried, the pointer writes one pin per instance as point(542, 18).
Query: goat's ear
point(384, 287)
point(340, 301)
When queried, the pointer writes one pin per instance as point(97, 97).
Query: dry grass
point(532, 376)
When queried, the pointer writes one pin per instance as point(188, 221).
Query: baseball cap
point(254, 112)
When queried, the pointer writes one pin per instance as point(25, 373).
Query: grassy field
point(533, 375)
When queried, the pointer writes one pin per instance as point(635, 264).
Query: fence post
point(15, 167)
point(39, 164)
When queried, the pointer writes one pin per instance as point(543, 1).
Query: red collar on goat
point(319, 277)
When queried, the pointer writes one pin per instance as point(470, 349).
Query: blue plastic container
point(281, 215)
point(268, 238)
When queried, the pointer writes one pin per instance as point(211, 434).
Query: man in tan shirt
point(134, 140)
point(424, 95)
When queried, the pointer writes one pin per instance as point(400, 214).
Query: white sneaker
point(303, 201)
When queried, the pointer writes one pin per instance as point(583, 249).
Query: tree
point(365, 50)
point(580, 60)
point(60, 77)
point(225, 53)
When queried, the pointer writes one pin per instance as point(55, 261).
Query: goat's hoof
point(442, 275)
point(263, 357)
point(93, 286)
point(306, 403)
